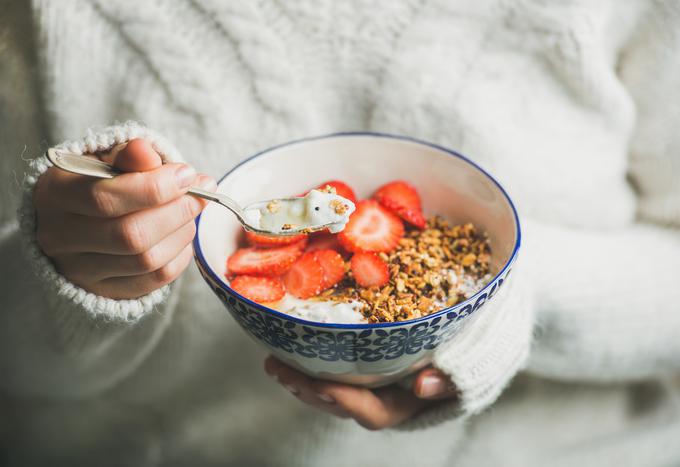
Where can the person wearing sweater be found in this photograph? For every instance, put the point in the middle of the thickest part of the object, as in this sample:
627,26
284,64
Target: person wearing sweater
114,352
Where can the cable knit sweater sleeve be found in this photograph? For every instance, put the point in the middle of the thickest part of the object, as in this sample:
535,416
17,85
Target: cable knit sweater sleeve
605,302
609,302
482,360
61,331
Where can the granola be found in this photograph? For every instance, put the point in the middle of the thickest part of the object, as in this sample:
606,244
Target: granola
430,269
329,189
273,206
338,206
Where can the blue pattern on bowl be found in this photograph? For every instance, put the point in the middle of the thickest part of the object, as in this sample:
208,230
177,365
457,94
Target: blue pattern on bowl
305,340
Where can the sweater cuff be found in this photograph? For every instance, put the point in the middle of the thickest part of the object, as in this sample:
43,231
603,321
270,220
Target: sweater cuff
56,286
484,357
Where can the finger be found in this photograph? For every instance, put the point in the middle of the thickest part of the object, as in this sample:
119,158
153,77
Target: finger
127,235
374,409
94,267
115,197
136,156
110,156
302,387
433,384
207,183
120,288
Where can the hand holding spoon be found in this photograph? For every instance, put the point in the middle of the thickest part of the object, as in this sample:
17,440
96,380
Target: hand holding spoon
318,210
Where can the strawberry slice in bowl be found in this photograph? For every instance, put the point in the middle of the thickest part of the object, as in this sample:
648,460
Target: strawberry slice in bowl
263,290
369,270
325,240
333,267
403,199
313,273
371,228
305,278
271,241
264,261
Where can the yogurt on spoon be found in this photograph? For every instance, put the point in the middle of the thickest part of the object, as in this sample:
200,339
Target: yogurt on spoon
317,209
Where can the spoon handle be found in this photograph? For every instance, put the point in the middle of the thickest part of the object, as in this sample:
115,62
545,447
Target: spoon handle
82,165
91,167
219,198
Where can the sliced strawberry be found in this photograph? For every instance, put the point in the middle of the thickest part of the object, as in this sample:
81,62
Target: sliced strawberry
323,240
259,289
369,270
305,278
402,198
268,241
263,261
333,267
415,218
341,189
371,228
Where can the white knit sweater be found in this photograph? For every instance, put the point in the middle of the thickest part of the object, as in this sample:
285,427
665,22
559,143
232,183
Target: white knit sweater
575,106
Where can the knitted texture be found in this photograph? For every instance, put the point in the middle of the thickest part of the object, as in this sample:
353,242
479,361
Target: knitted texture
96,140
600,323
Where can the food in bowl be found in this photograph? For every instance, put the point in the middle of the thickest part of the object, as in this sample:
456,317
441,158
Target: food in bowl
366,354
402,266
319,207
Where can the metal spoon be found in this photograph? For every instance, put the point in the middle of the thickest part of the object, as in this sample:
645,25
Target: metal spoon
91,167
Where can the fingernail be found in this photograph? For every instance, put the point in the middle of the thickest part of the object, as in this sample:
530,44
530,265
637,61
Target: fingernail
185,176
325,398
431,386
274,376
207,183
291,389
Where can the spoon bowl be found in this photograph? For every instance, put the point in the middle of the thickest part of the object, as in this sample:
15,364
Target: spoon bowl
295,230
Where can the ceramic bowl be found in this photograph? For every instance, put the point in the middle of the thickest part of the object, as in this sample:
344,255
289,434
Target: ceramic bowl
364,354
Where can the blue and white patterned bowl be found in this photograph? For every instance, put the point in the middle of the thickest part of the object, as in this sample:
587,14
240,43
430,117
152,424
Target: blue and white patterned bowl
366,354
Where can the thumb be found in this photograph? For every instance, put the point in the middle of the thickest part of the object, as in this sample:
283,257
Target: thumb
135,156
432,383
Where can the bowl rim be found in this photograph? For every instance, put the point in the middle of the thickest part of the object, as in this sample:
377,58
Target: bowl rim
198,252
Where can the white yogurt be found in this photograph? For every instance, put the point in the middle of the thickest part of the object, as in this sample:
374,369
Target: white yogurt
321,312
314,209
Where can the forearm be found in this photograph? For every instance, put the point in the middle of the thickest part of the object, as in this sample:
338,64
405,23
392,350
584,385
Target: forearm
607,302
